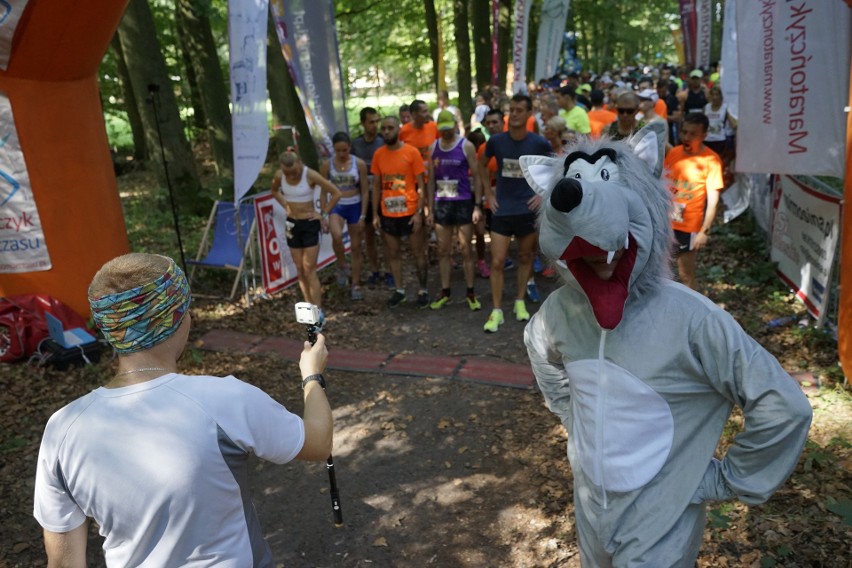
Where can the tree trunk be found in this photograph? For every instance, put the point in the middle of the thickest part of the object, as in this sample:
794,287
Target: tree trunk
286,107
212,86
504,42
480,16
140,150
199,120
463,49
434,52
158,110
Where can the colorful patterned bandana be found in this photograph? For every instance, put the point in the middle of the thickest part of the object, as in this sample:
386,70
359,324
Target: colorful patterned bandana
140,318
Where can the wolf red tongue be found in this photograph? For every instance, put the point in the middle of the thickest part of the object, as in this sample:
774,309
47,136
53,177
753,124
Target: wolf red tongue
606,296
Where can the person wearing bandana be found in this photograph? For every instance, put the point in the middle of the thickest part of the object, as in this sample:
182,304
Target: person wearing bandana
156,458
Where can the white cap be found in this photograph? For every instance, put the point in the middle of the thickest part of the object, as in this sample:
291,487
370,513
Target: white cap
648,95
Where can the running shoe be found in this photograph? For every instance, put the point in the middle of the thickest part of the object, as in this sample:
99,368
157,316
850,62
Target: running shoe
537,266
342,277
483,269
509,264
422,299
396,299
520,309
440,302
532,292
372,280
389,281
473,303
495,320
357,293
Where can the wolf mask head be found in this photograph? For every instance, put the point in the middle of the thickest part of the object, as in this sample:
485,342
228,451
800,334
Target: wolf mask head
604,219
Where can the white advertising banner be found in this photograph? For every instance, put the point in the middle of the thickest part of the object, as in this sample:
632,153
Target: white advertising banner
10,15
703,27
554,14
805,232
247,48
22,246
729,68
279,271
519,45
794,85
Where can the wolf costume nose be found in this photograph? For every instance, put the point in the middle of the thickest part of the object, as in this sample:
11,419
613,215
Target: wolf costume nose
566,195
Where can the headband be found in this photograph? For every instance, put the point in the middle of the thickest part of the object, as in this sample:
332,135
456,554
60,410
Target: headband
140,318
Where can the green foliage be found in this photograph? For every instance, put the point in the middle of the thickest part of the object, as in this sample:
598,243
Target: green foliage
718,516
841,508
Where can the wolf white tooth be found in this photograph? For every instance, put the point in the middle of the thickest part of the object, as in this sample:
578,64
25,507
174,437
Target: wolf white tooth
627,242
609,256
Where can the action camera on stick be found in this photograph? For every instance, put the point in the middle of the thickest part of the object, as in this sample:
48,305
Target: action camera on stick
309,315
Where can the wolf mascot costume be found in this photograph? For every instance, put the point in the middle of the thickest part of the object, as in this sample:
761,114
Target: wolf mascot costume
642,371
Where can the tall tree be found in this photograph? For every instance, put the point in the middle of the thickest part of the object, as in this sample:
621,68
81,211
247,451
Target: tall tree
433,32
199,120
160,117
193,16
504,42
285,102
480,16
463,49
140,150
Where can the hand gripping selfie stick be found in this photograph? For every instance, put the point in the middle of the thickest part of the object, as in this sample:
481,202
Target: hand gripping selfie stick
308,314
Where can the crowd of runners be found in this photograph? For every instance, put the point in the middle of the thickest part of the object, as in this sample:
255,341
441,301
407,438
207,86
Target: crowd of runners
421,174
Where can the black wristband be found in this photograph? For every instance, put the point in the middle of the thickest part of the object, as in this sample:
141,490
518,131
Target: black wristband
318,378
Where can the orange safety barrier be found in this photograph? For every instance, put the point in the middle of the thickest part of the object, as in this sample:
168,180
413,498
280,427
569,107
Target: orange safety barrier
51,83
844,319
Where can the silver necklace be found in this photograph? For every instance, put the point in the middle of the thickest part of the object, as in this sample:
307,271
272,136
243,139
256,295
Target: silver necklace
141,370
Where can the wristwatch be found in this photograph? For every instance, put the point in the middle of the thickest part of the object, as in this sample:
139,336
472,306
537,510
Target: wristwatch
318,378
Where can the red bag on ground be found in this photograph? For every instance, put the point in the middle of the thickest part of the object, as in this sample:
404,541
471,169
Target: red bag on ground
22,323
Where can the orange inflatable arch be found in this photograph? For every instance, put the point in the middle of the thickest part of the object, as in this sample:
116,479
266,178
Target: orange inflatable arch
51,84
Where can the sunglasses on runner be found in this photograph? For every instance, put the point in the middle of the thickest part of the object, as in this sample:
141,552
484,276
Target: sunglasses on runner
627,110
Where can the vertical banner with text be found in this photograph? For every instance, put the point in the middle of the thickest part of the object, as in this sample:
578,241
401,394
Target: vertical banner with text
247,41
794,85
308,39
687,29
519,45
805,232
729,68
554,14
22,246
703,27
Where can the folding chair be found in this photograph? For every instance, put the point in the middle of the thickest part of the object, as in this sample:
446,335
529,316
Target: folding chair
228,250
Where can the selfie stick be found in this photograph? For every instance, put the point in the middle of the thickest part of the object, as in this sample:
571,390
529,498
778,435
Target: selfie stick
329,463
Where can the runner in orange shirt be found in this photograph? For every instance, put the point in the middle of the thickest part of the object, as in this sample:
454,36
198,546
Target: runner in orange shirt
421,132
399,187
695,172
599,117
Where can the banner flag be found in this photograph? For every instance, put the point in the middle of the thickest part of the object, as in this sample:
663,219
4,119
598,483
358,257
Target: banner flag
703,27
729,68
247,59
687,28
677,38
279,270
308,39
10,15
22,246
495,40
519,45
554,14
805,233
786,50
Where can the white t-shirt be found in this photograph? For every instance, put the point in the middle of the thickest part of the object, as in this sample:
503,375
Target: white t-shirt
161,467
717,120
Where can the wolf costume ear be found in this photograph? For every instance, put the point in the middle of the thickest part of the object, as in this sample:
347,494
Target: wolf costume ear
541,172
649,144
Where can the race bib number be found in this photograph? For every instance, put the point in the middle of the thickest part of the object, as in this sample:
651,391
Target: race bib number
447,188
343,180
677,212
512,168
395,204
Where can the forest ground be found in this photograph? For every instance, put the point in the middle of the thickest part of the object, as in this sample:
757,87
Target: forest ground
436,472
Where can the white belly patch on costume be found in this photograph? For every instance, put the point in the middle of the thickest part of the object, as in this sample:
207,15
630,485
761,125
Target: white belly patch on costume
622,429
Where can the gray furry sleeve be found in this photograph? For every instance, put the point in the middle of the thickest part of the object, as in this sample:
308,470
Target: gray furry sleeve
548,368
777,413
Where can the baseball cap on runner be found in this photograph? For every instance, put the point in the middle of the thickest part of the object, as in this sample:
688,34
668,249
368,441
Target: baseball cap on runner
446,120
648,95
696,73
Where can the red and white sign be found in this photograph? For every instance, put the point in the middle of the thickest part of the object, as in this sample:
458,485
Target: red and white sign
805,232
278,269
794,86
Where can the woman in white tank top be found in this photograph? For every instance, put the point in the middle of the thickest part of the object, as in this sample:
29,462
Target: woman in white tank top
349,173
294,187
